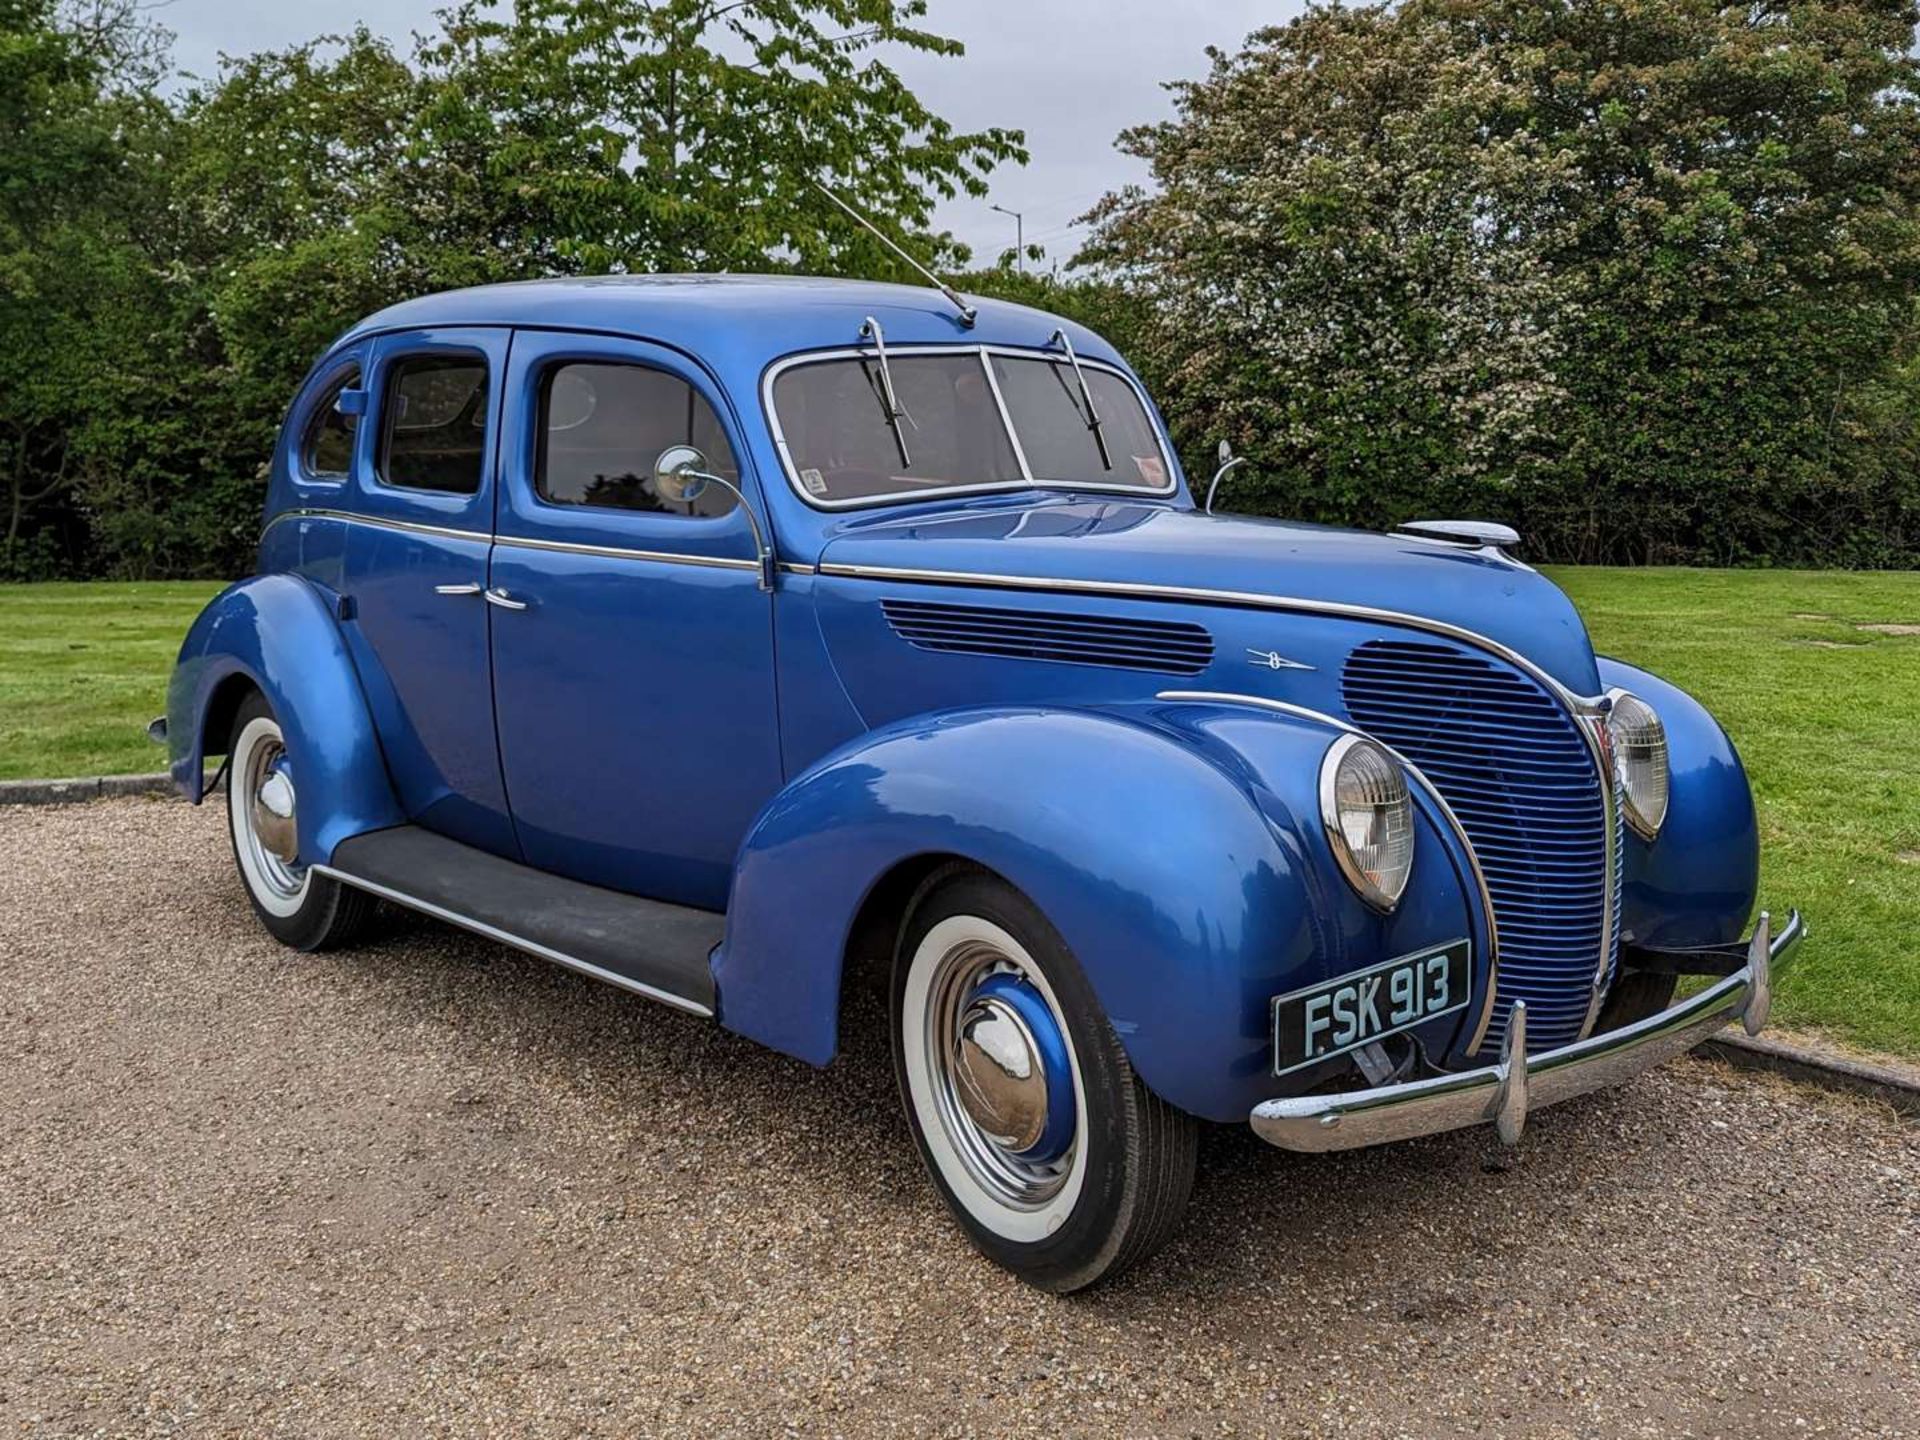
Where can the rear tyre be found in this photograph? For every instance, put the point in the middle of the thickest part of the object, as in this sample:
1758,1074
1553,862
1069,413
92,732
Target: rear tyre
298,907
1056,1160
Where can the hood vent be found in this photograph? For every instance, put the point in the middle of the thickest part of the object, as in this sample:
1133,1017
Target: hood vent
1169,647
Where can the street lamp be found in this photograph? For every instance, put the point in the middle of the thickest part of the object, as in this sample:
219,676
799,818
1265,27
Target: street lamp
1019,237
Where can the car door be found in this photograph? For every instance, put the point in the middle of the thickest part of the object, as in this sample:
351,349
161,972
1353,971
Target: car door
635,690
416,568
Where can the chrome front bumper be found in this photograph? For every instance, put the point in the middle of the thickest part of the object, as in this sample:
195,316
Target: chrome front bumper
1504,1093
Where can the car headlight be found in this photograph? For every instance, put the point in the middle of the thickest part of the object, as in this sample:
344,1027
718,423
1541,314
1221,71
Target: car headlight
1369,818
1640,760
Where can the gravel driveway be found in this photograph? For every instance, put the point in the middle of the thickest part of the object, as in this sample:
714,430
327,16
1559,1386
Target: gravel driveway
429,1186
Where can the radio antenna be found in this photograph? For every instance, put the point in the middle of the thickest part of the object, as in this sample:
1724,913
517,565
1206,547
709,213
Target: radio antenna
967,311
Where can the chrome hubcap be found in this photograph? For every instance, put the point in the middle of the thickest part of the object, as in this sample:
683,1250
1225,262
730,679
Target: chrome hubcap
271,817
999,1075
1003,1080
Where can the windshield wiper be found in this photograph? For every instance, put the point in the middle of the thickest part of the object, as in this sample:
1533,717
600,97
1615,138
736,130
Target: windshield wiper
1086,396
889,401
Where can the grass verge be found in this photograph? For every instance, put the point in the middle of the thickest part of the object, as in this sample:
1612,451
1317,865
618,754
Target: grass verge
83,668
1822,712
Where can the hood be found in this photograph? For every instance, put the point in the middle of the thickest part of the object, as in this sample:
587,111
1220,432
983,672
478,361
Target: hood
1105,540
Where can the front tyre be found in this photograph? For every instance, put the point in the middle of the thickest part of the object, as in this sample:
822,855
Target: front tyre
299,908
1060,1165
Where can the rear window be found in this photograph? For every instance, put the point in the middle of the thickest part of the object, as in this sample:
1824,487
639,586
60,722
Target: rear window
434,430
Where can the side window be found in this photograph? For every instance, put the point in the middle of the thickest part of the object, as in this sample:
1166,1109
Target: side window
326,451
603,425
434,423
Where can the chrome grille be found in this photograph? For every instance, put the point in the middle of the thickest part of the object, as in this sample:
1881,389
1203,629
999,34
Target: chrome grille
1512,763
1173,647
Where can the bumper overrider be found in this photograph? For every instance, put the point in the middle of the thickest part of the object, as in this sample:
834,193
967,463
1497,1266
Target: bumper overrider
1504,1093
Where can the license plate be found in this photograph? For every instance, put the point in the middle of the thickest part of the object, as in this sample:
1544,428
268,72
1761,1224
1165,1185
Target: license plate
1340,1015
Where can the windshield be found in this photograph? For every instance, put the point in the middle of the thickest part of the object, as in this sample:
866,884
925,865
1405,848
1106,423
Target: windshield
946,431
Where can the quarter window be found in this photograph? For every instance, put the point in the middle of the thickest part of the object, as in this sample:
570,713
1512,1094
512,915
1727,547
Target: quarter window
326,453
435,424
602,426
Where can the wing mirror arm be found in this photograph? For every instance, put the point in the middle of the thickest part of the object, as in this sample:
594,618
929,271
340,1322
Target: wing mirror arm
680,475
1228,461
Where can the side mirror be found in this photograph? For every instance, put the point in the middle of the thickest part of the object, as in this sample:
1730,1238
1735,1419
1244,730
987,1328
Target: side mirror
681,474
1228,460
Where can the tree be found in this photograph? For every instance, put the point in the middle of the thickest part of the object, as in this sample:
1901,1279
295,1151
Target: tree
189,260
638,135
71,99
1633,275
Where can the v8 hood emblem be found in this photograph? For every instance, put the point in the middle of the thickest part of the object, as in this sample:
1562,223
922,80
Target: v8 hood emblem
1273,660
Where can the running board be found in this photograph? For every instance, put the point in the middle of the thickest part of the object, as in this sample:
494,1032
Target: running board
646,946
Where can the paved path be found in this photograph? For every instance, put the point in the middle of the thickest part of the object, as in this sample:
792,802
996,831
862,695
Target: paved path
429,1186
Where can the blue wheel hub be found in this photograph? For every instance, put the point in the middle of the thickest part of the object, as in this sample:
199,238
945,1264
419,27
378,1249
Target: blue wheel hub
1013,1076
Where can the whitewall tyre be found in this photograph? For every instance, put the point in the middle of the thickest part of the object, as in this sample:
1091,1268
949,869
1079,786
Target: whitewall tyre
1054,1157
299,908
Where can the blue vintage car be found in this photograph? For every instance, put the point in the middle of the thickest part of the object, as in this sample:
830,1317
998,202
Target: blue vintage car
735,640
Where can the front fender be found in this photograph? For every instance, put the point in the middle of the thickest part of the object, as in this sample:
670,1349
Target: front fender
1696,883
278,634
1160,841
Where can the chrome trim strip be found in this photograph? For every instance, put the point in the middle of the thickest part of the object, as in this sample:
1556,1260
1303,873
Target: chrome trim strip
1591,728
1262,702
379,522
1006,415
1029,480
621,552
1506,1092
1134,590
527,542
491,932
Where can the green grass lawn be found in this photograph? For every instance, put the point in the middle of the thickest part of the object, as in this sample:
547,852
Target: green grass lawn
1827,718
1825,715
83,668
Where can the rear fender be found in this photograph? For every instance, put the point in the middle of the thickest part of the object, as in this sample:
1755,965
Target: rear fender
278,634
1160,841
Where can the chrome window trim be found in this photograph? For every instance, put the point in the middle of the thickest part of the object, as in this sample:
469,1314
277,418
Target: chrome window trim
1028,481
1284,707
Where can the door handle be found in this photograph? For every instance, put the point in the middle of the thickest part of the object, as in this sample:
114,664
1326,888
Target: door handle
467,589
503,600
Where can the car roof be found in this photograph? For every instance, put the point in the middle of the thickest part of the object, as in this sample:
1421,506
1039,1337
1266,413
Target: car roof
753,319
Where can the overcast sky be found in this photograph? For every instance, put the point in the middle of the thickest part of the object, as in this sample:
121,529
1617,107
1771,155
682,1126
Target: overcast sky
1071,73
